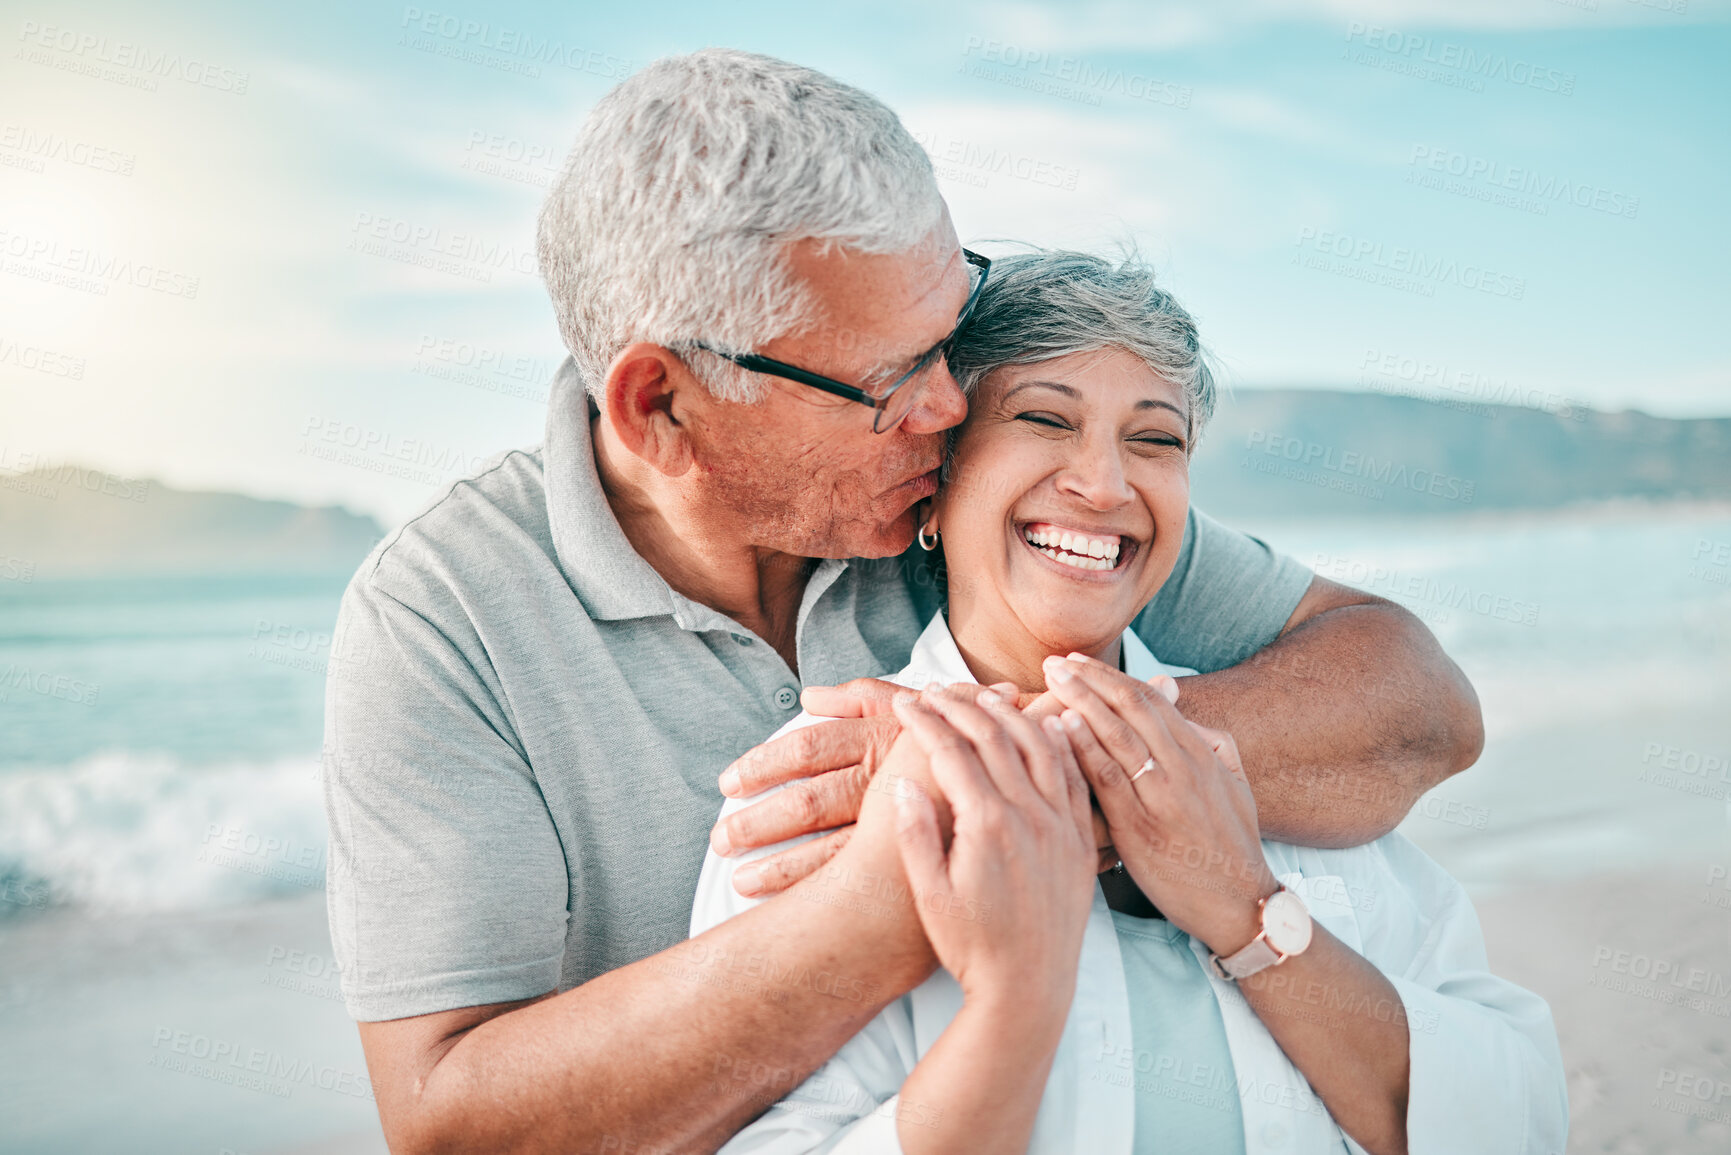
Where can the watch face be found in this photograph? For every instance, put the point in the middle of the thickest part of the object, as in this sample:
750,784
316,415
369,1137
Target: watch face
1286,922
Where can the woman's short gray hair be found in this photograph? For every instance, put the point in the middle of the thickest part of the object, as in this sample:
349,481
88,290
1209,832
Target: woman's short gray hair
1051,303
672,218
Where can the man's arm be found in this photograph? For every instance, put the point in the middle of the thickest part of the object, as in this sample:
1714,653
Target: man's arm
1344,720
675,1052
448,888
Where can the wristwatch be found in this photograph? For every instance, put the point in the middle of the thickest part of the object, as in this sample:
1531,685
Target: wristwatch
1285,932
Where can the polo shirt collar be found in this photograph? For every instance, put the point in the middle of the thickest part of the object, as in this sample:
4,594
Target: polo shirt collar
937,660
609,577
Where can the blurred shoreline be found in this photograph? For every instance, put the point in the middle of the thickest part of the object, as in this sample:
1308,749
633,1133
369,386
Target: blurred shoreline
115,996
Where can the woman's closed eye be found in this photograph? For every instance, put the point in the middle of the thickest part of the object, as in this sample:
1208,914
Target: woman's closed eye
1157,441
1044,419
1148,440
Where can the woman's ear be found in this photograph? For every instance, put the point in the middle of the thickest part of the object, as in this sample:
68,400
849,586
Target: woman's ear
645,390
928,525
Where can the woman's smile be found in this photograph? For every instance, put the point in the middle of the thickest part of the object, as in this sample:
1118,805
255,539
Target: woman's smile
1088,555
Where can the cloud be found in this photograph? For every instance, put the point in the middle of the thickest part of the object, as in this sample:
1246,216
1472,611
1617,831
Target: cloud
1119,25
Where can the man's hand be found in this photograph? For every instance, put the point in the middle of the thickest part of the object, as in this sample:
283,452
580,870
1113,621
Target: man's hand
827,768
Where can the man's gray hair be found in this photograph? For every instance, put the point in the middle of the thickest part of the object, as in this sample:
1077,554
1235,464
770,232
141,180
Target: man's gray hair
1051,303
672,218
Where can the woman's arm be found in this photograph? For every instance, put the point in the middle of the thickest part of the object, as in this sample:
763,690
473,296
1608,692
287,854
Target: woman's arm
1186,830
1342,1024
1021,849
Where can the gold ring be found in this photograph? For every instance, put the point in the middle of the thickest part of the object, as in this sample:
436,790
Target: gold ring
1142,769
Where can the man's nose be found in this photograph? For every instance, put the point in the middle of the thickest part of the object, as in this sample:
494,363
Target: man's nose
941,404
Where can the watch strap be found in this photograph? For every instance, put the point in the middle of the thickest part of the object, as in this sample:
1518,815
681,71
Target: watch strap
1258,956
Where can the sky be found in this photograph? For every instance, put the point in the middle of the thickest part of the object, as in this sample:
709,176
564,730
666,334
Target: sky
287,250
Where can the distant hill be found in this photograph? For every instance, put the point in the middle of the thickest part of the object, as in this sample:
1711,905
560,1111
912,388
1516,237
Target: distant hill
1267,453
1310,452
71,521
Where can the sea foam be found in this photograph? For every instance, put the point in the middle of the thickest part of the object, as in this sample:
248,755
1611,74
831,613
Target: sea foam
132,832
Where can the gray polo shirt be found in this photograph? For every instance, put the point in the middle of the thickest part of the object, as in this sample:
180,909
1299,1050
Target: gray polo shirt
524,722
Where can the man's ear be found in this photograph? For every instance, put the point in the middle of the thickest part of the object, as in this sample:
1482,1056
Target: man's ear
646,398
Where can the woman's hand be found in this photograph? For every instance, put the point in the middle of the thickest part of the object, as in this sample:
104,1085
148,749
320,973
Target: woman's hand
1186,829
1005,906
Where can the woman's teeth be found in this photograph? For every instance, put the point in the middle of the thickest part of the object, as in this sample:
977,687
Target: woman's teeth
1075,549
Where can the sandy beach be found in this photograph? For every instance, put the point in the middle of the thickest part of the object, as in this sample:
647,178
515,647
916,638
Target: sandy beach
128,1004
213,1032
1649,1058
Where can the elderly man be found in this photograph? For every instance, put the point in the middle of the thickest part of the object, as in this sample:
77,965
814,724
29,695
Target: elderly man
545,671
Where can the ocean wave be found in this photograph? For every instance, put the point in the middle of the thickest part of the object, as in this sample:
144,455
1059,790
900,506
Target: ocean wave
132,832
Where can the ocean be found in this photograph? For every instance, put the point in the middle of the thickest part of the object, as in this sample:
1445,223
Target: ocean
162,841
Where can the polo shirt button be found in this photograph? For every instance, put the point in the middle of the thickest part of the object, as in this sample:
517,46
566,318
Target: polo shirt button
742,639
786,697
1274,1134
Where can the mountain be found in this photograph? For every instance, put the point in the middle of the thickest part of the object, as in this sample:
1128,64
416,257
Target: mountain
1267,453
1286,452
71,521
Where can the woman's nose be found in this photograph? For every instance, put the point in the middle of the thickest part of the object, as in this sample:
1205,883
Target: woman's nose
1095,476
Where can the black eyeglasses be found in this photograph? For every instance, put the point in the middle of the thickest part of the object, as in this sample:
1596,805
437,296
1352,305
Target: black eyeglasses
895,401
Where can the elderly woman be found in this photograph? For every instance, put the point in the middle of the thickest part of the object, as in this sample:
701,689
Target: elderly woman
1211,991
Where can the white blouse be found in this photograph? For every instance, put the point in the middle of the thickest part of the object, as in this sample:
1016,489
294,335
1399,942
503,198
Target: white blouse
1486,1076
